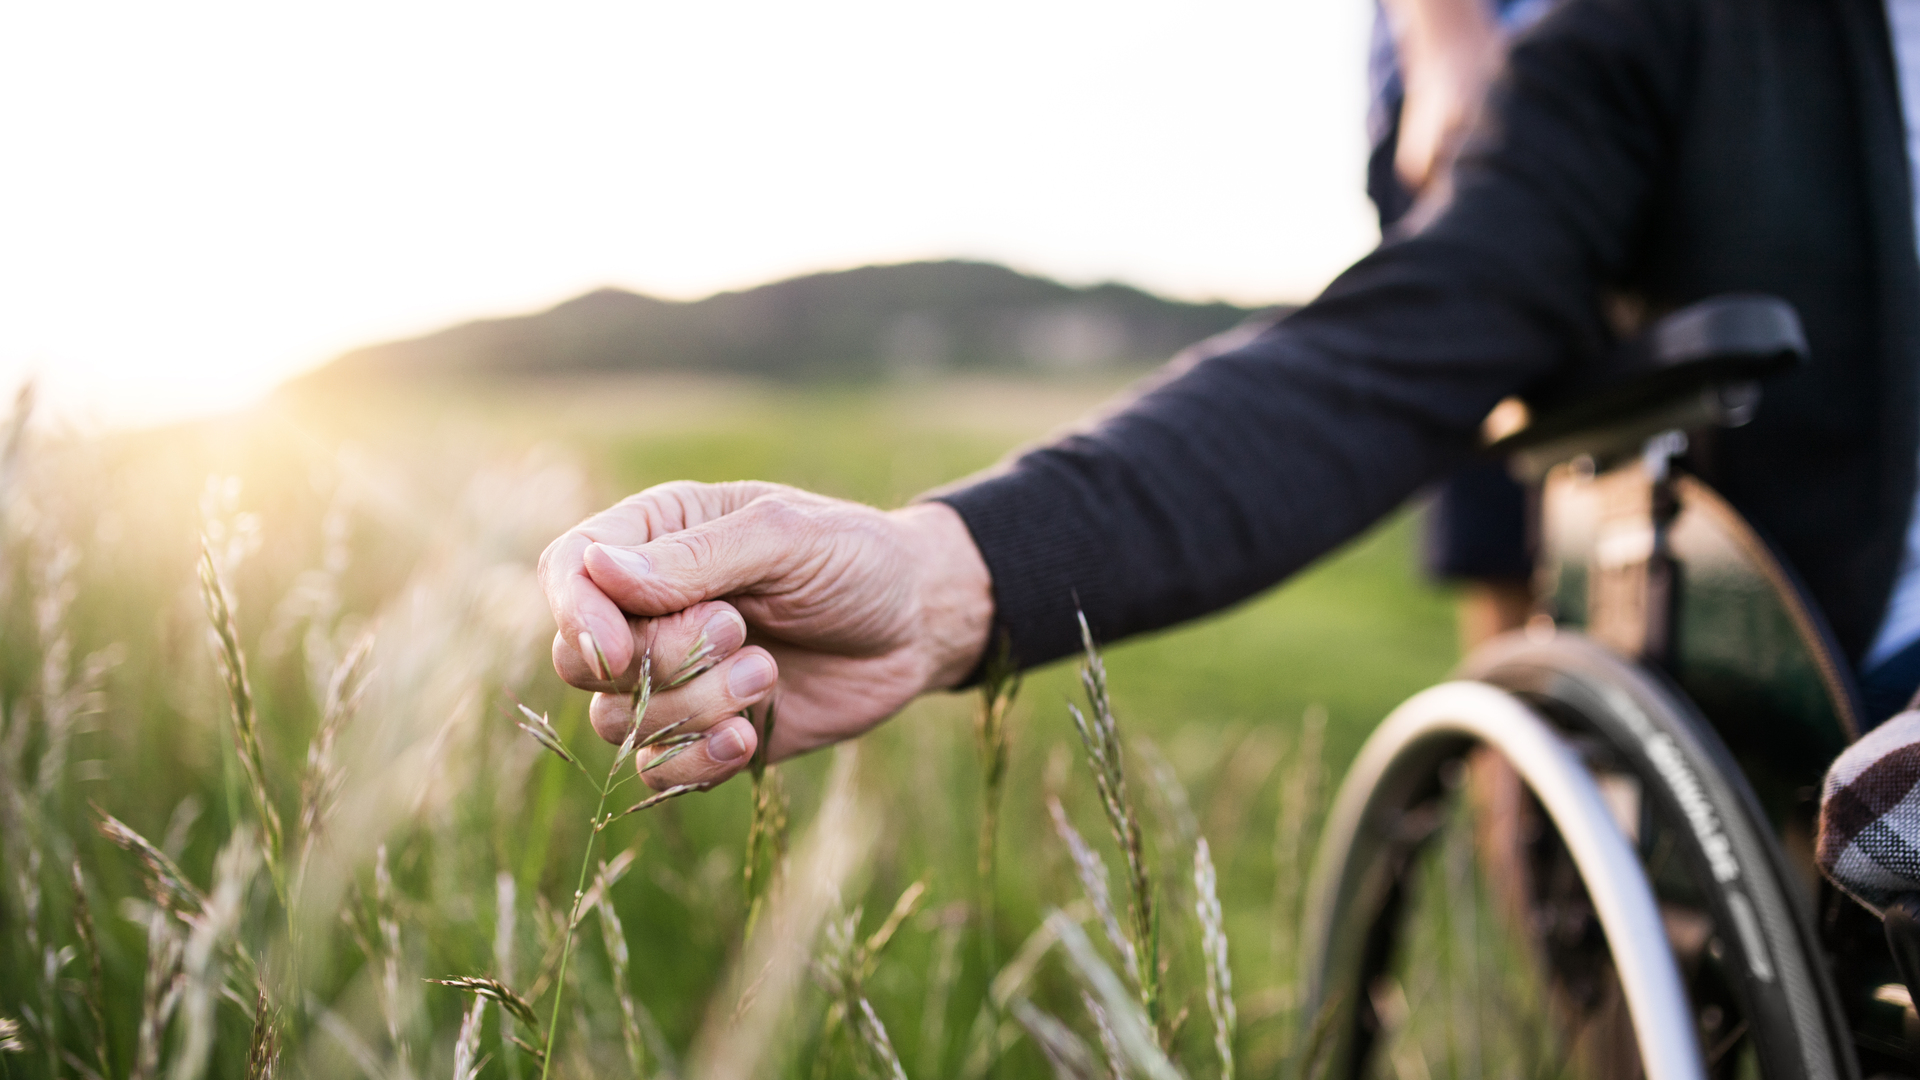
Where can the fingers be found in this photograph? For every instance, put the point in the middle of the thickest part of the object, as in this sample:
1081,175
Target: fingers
680,645
592,627
702,702
760,543
580,607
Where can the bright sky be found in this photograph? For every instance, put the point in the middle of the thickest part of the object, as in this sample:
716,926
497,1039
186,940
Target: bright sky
199,199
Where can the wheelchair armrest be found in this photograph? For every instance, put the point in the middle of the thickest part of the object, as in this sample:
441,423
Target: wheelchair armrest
1698,366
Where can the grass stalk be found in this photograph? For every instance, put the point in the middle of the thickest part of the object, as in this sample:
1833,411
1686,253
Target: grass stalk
614,937
1294,830
945,972
160,993
467,1061
1092,871
505,906
320,786
1066,1054
1213,939
387,931
767,830
246,720
96,987
538,726
1133,1029
1100,734
999,686
844,968
573,919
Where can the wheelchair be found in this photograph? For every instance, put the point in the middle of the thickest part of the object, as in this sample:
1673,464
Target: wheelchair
1591,855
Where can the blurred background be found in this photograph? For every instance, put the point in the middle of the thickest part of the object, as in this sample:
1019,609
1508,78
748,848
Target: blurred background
378,299
206,198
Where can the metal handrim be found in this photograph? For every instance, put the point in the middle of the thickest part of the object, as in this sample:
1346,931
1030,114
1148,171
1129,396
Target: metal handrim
1403,752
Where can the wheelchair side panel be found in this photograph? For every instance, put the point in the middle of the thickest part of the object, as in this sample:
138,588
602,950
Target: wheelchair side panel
1748,647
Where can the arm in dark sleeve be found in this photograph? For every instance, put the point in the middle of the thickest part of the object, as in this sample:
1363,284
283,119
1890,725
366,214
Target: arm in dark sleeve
1229,475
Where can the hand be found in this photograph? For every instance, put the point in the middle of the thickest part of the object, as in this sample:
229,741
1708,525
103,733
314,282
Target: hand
734,589
1449,52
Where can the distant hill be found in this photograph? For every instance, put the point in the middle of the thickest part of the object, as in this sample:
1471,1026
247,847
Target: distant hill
906,319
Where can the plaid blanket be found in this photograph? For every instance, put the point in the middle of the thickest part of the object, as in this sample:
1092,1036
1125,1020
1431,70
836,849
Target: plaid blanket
1870,815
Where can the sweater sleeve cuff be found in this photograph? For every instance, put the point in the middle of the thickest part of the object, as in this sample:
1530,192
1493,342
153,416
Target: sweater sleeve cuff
1044,559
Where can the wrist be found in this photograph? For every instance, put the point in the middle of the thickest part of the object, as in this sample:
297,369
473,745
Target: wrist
955,592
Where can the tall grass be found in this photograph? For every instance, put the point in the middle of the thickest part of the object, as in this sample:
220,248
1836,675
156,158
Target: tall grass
1100,734
992,736
261,780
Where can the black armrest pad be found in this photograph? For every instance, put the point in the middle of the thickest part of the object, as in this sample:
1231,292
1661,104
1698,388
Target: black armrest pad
1716,342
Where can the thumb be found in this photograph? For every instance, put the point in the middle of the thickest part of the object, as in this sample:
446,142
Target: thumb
759,543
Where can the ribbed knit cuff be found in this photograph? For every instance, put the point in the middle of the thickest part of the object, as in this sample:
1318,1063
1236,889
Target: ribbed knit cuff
1038,545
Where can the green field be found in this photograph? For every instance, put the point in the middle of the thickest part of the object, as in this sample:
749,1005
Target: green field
450,841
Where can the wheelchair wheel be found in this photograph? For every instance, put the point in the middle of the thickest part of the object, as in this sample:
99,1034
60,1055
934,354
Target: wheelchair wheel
1556,871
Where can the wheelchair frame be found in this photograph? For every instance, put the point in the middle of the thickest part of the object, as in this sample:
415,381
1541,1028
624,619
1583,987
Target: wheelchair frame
1664,613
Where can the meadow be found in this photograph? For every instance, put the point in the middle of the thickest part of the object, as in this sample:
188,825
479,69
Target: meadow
194,887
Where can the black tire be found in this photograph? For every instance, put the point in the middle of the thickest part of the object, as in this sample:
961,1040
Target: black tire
1759,996
1638,723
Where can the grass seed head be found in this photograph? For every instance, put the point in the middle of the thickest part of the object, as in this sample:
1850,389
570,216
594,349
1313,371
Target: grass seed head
538,1055
767,828
168,887
246,722
699,661
673,748
1109,1042
671,793
1214,944
496,991
665,733
467,1061
1100,734
627,746
263,1044
1092,871
538,726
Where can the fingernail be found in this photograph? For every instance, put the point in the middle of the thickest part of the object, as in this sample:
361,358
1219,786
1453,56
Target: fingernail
725,632
750,675
627,559
592,652
726,746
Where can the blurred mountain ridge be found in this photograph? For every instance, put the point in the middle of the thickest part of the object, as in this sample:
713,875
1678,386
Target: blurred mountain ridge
901,320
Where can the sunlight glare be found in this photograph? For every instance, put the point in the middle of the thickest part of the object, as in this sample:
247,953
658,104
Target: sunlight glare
203,198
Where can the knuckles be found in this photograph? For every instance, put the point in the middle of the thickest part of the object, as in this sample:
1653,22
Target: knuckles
792,514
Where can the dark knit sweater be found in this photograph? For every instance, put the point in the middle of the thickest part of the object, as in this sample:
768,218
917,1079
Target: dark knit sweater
1637,155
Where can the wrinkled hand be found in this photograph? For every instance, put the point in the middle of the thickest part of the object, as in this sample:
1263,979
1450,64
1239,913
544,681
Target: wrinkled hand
732,589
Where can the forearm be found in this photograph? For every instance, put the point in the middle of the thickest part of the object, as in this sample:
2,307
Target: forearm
1225,479
1215,485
